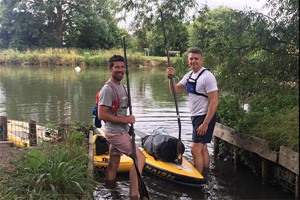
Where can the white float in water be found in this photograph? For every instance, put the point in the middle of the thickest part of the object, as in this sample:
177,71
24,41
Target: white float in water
77,69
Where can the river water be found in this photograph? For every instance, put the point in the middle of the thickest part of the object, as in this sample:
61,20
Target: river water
61,95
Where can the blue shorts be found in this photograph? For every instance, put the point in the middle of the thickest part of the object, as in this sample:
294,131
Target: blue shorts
207,137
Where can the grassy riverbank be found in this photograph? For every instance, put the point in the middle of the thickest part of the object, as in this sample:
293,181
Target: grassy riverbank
281,129
56,170
68,57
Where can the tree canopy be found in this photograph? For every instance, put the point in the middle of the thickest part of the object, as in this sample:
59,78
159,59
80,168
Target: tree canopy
57,23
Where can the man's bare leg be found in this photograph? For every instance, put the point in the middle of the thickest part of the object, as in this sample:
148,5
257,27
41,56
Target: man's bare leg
197,153
206,158
111,171
134,188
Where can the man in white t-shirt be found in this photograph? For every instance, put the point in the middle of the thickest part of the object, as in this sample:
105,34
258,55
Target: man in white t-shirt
202,87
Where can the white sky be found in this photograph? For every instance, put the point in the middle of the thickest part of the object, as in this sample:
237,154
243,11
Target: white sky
234,4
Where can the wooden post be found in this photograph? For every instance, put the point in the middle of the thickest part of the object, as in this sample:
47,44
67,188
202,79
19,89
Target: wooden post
235,157
3,128
32,133
146,50
297,187
216,146
62,129
91,155
266,171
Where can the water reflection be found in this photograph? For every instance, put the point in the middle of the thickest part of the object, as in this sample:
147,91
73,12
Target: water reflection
61,95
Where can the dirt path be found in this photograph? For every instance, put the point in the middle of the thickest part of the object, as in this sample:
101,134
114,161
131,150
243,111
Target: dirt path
8,153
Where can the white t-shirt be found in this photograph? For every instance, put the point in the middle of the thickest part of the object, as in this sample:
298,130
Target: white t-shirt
206,83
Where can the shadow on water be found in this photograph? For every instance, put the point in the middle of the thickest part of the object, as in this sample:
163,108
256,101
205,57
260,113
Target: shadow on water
223,182
157,189
229,183
119,191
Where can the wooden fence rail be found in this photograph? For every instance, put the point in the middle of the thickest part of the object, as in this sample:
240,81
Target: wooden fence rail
286,158
24,134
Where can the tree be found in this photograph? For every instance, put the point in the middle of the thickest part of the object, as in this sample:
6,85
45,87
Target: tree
178,41
285,16
57,23
280,88
246,52
228,43
147,22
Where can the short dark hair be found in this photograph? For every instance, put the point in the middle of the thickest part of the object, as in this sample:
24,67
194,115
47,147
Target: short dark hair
114,58
195,50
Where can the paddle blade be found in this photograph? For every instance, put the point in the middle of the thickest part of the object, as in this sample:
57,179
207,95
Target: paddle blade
179,152
143,190
142,187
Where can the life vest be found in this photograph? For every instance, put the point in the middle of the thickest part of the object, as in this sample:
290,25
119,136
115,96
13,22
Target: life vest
114,107
191,84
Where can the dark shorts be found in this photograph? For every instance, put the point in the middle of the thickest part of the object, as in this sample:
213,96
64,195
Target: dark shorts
206,138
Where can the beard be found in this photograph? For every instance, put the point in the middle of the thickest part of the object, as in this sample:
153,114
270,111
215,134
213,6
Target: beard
118,76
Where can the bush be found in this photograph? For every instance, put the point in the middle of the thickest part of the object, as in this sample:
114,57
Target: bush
230,112
280,129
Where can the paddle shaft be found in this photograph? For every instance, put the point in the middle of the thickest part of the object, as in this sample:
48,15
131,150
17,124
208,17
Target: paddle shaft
179,146
142,188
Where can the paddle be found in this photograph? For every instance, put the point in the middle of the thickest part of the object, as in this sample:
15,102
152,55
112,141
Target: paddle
179,145
142,188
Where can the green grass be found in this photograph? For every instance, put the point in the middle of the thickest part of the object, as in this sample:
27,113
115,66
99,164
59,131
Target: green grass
54,171
280,129
64,57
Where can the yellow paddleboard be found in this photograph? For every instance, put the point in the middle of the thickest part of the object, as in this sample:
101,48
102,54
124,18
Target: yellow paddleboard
185,173
18,141
101,163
